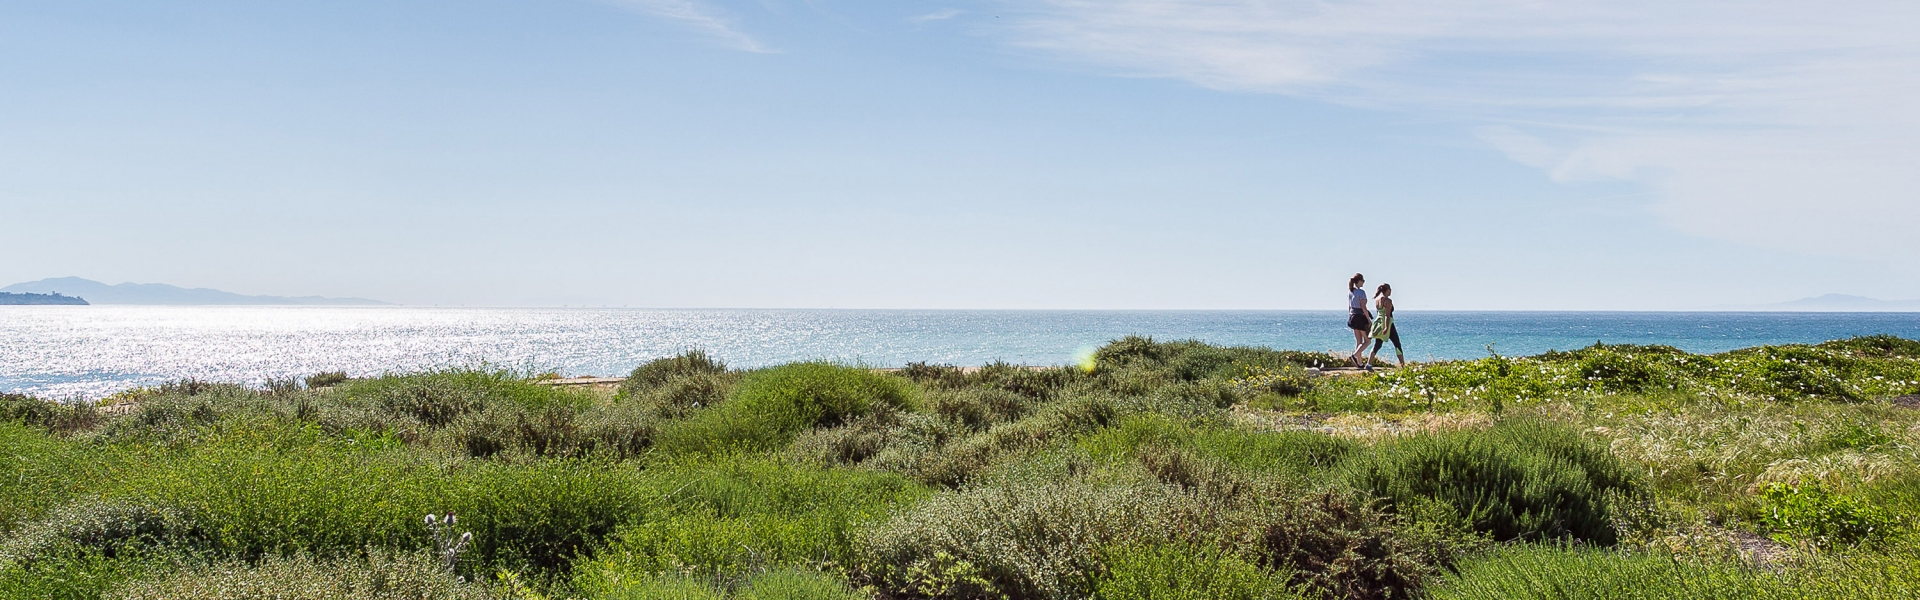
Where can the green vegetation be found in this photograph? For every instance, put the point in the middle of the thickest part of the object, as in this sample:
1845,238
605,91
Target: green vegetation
1156,470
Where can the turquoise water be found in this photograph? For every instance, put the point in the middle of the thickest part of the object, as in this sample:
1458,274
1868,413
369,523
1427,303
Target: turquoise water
91,351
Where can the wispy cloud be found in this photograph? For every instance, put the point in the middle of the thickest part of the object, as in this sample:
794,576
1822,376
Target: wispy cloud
940,15
699,17
1776,122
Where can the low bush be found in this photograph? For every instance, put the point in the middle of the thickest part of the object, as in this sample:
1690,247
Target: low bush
969,457
1184,572
85,575
658,372
376,576
1530,571
44,471
1044,538
326,379
979,408
105,528
725,520
255,500
1289,453
31,411
436,398
770,406
1023,541
780,584
1520,480
1809,513
796,584
1875,346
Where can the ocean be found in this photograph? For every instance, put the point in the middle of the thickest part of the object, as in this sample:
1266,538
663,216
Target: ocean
73,352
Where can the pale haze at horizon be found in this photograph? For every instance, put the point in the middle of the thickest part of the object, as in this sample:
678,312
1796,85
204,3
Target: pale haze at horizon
1051,154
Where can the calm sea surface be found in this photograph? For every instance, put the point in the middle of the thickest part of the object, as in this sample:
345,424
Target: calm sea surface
91,351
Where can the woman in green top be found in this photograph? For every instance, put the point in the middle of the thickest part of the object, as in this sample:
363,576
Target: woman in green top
1383,329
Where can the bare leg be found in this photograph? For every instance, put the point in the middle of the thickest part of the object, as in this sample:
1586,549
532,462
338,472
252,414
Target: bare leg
1359,346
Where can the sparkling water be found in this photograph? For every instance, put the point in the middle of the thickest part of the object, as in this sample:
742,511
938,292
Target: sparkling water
91,351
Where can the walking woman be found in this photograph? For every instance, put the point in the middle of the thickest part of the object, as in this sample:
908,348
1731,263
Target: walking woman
1383,329
1357,318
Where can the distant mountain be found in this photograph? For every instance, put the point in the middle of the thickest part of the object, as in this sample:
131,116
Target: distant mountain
1844,303
9,299
160,293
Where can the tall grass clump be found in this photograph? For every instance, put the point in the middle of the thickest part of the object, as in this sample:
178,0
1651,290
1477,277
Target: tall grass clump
779,584
1291,453
376,576
726,519
678,385
1053,536
692,364
1184,572
1520,480
1535,571
436,398
46,470
253,500
771,405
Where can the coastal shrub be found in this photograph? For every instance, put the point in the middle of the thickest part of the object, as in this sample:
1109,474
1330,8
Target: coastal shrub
1183,572
771,405
1809,513
680,396
1520,480
1534,571
326,379
1288,380
436,398
44,470
779,584
1336,545
979,408
658,372
960,460
167,419
796,584
1045,537
851,443
1029,540
27,410
656,587
255,500
727,519
616,431
104,528
1292,453
1038,384
85,575
378,575
1875,346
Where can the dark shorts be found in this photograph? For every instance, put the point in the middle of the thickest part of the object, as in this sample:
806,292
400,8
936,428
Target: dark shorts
1357,320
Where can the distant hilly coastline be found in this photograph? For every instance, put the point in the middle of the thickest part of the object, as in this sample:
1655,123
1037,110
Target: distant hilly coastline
1839,303
30,299
94,292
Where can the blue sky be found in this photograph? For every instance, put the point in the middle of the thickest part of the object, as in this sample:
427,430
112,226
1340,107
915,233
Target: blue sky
1490,154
